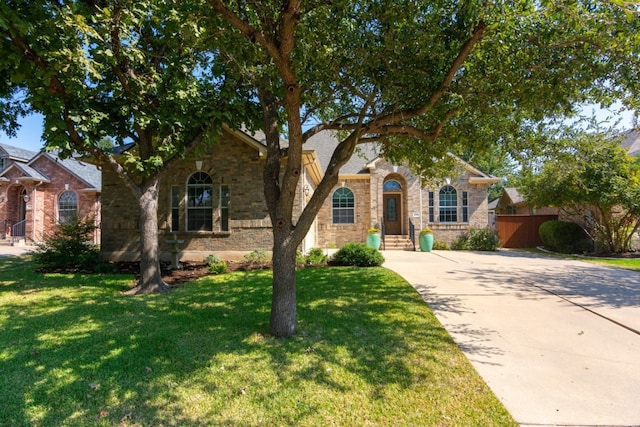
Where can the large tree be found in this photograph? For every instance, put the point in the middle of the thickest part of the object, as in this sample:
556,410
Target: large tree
132,71
590,177
418,78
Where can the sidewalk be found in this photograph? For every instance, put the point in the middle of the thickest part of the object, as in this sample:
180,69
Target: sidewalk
557,341
8,250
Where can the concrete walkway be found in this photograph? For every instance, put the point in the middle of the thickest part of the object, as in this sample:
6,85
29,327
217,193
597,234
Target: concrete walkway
9,250
557,341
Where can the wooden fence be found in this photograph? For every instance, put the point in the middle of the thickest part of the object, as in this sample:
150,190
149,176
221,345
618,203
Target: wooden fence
521,231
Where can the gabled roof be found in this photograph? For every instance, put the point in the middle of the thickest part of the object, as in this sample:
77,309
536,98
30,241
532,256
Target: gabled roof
85,172
514,196
632,142
367,155
325,142
28,173
15,153
25,159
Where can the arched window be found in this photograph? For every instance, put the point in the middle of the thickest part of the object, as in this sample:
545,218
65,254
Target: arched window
392,185
200,202
448,198
67,207
343,206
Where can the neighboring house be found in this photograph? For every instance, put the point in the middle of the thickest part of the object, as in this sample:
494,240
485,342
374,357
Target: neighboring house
39,190
511,202
214,203
632,142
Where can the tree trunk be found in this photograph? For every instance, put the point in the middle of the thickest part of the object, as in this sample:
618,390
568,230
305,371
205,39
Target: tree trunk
283,321
150,273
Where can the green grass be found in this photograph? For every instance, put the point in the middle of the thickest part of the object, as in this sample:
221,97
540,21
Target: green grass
74,351
627,263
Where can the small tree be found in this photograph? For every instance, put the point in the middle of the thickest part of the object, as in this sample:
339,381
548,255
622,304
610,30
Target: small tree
70,247
592,179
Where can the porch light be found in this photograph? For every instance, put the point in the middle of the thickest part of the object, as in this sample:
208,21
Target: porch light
26,198
306,189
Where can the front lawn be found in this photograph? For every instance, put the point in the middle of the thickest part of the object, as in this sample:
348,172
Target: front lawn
75,351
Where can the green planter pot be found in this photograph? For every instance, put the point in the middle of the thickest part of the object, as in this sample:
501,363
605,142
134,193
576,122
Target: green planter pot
426,242
373,240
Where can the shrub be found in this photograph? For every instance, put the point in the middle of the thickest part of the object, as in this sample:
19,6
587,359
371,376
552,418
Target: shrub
358,254
216,265
440,246
563,236
316,256
258,256
477,239
70,248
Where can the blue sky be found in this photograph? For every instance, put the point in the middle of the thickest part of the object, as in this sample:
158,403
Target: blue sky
28,136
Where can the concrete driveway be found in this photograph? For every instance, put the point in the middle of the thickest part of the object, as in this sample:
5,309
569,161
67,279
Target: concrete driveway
557,341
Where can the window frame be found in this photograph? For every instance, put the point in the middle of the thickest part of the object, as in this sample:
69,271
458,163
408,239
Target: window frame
174,222
199,215
224,202
448,204
64,210
345,211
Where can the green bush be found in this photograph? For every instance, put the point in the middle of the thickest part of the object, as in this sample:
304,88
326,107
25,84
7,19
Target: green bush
258,256
563,236
316,256
70,248
477,239
358,254
440,246
216,265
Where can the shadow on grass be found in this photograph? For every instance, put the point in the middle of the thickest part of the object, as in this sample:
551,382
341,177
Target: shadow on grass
74,351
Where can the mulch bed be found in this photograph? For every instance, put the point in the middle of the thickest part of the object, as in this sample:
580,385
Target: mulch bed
189,271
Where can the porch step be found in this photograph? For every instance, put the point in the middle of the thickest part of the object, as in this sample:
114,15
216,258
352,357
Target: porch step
394,242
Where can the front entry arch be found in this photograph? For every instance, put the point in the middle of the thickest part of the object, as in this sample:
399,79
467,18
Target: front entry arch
392,206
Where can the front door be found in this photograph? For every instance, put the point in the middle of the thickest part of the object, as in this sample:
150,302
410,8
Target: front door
393,213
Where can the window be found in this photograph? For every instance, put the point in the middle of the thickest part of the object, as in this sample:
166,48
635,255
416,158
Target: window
343,206
67,207
175,209
1,163
224,208
431,207
200,202
511,210
465,206
392,185
448,204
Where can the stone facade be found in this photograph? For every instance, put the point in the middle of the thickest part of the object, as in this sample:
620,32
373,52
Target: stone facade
413,209
232,165
236,164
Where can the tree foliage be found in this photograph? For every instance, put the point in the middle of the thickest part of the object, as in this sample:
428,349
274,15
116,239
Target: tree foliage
594,180
419,78
132,72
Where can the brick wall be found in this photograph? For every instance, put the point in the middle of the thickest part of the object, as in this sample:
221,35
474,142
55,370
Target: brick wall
42,209
229,162
336,235
368,190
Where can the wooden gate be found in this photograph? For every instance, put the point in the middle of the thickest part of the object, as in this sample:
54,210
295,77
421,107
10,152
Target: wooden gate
521,231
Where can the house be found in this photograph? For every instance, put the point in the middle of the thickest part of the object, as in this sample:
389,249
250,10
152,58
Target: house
214,203
511,202
39,190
